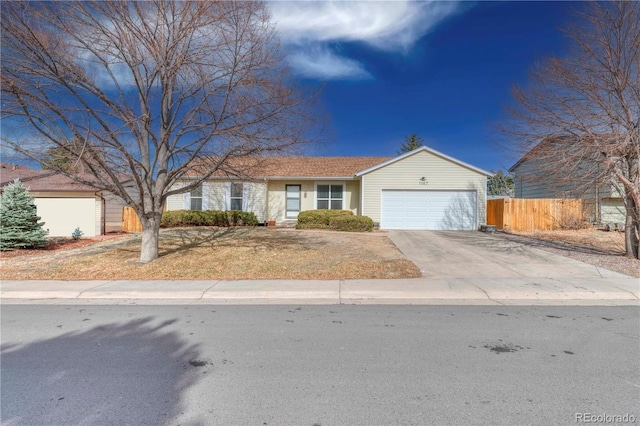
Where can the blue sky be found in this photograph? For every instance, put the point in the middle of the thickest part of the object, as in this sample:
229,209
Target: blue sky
442,70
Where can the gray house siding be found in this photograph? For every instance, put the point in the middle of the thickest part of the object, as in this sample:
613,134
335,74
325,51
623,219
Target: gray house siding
602,202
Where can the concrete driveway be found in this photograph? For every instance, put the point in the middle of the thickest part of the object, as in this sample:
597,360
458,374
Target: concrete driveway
459,254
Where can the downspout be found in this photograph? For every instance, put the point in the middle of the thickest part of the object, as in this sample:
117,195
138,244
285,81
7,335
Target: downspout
362,195
266,201
103,213
598,212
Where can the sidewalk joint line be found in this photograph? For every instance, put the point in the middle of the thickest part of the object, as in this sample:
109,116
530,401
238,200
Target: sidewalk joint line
340,292
624,289
93,288
485,293
207,289
598,270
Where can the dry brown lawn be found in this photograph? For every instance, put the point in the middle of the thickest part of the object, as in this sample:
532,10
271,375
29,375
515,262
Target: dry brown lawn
224,253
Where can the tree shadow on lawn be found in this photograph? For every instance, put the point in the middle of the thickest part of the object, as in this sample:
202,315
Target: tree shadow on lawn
183,239
189,238
119,373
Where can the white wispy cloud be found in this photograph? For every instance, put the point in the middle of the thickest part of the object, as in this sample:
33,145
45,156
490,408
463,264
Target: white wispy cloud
322,63
391,26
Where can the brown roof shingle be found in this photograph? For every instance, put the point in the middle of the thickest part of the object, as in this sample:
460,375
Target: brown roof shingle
310,167
318,166
40,180
9,172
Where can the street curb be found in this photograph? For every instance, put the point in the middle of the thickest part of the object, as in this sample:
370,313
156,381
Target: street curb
619,291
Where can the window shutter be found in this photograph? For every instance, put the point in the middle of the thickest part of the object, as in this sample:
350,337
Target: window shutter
227,195
205,195
245,197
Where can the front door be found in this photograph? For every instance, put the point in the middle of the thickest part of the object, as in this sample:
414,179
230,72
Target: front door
293,200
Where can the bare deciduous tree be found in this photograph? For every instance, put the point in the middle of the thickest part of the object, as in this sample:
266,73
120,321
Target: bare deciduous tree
579,116
147,87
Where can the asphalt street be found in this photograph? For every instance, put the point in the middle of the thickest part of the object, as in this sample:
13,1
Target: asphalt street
318,365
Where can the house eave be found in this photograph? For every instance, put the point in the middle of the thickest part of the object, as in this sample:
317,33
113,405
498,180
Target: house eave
268,178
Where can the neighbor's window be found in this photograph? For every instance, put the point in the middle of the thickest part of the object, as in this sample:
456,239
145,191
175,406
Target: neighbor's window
330,197
236,196
196,199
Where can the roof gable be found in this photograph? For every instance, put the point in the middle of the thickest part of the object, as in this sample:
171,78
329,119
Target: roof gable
430,151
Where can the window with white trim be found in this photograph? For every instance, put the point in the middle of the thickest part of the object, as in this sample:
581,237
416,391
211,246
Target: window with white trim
329,197
237,190
196,198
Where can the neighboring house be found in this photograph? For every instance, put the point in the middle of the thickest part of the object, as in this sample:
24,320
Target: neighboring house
422,189
64,204
603,202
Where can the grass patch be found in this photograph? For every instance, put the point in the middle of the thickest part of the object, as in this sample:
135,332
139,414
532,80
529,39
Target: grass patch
226,253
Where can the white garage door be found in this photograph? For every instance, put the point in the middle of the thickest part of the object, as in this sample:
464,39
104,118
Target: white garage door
432,210
61,216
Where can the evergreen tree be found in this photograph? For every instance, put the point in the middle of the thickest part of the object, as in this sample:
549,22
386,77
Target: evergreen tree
19,226
411,142
500,184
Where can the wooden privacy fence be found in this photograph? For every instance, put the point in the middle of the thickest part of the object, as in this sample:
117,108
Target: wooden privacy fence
535,214
130,221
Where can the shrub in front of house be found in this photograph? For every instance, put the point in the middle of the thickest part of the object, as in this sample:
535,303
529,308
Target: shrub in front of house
178,218
338,220
319,219
352,223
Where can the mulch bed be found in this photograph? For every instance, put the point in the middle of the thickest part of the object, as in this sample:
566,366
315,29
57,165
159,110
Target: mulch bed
55,243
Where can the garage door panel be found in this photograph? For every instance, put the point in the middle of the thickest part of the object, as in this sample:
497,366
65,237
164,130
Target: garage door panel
61,216
431,210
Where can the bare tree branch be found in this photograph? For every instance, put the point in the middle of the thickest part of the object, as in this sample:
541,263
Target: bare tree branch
148,88
578,120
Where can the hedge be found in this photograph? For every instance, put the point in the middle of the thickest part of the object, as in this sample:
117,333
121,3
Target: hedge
338,220
176,218
352,223
319,219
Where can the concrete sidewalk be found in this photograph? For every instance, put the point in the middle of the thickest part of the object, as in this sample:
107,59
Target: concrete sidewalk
619,290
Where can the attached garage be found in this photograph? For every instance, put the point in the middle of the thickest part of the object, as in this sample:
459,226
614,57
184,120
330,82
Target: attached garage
424,189
62,215
430,210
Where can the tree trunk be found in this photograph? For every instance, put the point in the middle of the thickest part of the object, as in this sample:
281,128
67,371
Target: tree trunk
631,229
150,237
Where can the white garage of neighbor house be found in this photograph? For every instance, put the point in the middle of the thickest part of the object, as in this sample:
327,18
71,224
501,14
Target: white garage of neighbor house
64,205
422,189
